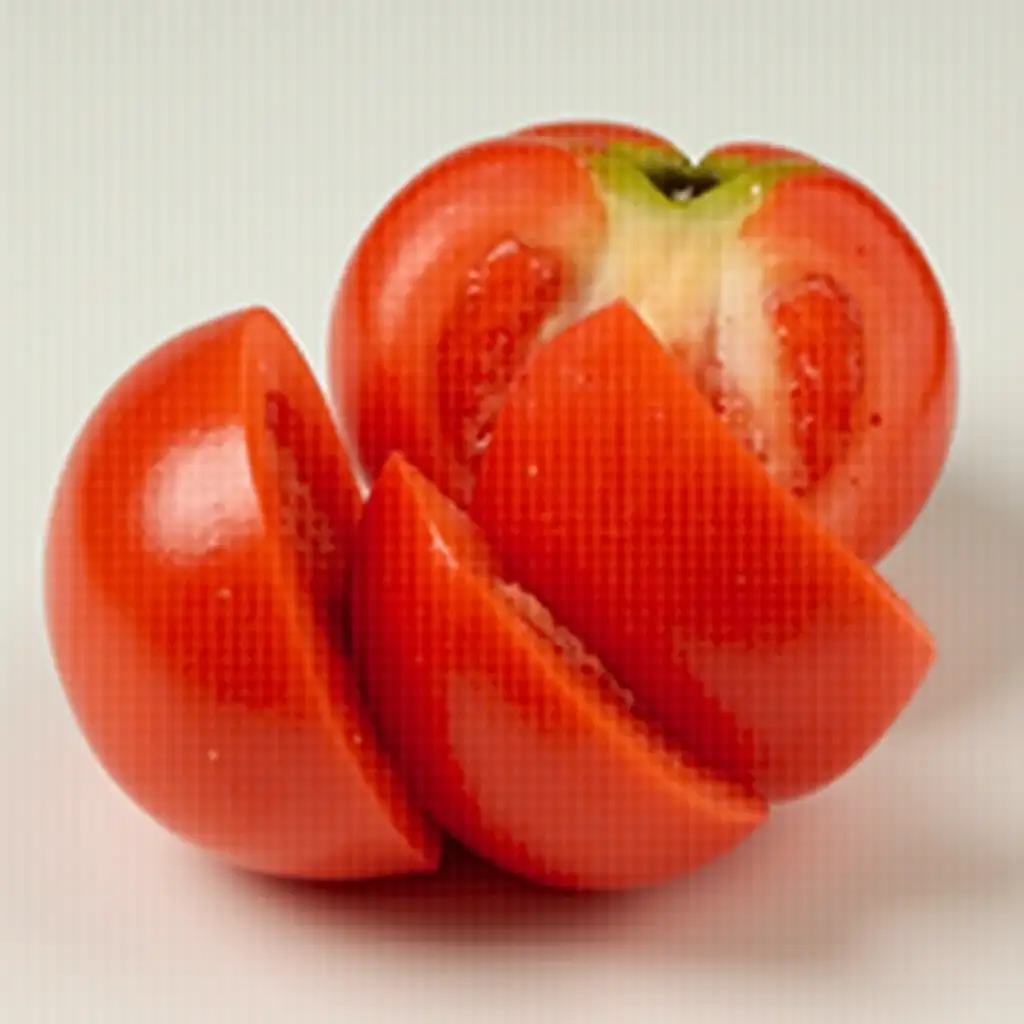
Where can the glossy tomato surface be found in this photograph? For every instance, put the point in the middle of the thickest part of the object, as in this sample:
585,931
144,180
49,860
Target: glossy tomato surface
746,631
195,560
790,294
511,735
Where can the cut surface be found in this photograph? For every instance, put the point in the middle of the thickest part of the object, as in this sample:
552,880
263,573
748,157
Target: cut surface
820,335
512,735
312,507
486,340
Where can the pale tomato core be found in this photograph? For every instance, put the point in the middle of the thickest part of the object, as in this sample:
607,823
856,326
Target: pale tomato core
818,334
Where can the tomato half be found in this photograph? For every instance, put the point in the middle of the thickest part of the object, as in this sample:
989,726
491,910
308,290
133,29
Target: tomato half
195,560
514,738
792,296
746,631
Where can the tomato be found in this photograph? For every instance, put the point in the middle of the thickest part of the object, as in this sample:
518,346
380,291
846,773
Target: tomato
793,297
747,632
515,739
195,563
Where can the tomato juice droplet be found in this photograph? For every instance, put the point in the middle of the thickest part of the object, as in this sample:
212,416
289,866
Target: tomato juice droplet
820,333
487,338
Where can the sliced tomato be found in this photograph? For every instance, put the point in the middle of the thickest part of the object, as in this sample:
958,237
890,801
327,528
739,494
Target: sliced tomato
745,630
515,739
196,550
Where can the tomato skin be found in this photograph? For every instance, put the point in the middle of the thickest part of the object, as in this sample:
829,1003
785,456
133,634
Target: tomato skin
593,135
758,153
514,756
185,616
402,281
744,629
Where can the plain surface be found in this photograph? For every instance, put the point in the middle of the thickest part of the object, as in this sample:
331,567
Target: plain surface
162,163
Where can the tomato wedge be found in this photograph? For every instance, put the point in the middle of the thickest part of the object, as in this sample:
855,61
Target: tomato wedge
512,737
195,560
744,629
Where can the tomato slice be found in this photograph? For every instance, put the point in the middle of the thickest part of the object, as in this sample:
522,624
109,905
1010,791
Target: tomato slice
746,631
512,736
196,550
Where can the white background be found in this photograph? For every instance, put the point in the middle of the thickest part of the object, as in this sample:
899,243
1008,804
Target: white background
162,163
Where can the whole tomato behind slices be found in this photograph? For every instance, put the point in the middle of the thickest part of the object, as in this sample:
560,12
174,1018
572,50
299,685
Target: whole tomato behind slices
792,297
510,733
746,631
195,559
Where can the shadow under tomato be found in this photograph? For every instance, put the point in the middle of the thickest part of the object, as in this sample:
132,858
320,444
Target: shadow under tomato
820,877
466,901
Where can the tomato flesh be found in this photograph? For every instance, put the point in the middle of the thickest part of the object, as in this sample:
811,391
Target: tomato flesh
820,335
486,340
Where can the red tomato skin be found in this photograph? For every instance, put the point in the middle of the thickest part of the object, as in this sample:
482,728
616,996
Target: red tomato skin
593,135
745,630
186,625
513,755
754,152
